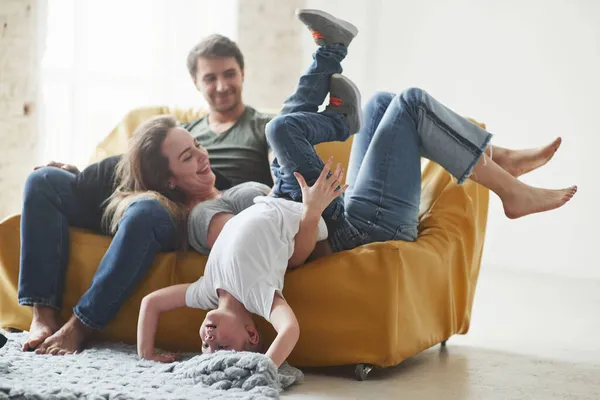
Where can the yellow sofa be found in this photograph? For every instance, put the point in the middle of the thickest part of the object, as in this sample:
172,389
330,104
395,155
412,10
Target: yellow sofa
375,305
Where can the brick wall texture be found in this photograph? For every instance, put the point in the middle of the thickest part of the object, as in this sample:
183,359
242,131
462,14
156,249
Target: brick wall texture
19,71
269,37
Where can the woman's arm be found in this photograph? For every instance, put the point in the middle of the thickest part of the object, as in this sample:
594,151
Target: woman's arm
162,300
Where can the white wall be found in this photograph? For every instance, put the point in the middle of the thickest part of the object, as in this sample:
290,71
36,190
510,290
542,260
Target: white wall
92,76
531,71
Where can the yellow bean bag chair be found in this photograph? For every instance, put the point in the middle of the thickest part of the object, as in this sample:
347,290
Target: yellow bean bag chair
374,305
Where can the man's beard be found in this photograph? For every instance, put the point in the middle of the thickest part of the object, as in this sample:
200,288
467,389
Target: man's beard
225,109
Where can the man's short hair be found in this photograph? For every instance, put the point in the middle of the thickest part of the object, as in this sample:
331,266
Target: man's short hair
214,46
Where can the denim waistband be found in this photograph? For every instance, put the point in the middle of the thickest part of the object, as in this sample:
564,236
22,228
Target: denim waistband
342,235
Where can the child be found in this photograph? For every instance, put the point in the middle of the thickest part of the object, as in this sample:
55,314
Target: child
245,270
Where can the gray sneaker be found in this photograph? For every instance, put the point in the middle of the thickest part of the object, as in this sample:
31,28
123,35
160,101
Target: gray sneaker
344,97
327,29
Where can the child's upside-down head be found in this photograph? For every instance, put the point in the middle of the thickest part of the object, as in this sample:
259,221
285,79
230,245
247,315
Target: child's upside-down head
225,329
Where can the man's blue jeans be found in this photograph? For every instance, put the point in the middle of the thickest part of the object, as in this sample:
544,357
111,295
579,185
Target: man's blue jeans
50,206
384,176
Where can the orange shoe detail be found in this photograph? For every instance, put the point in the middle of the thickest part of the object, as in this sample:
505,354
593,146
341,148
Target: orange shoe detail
317,35
335,101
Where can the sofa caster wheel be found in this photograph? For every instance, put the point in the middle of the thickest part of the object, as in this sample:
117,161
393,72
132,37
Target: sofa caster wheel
443,344
362,370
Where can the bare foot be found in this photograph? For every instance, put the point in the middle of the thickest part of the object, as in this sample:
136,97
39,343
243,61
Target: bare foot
528,200
46,321
520,162
69,339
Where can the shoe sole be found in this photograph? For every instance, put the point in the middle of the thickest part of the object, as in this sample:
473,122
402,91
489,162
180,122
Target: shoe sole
358,98
344,24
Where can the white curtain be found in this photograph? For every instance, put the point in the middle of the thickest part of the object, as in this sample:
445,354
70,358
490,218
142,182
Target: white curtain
103,58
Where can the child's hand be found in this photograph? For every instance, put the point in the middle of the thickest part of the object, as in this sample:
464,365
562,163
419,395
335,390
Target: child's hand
165,357
317,197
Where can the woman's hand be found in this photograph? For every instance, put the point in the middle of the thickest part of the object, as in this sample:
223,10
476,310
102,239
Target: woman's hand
67,167
317,197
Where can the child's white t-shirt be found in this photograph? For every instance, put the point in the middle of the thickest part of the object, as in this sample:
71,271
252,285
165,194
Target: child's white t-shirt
250,256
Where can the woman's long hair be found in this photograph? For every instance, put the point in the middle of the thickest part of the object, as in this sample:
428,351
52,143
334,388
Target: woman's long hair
143,172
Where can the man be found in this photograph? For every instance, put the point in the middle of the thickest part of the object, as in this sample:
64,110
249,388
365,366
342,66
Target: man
232,132
59,197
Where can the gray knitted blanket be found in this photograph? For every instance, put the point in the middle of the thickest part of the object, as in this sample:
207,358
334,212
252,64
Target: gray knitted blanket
114,371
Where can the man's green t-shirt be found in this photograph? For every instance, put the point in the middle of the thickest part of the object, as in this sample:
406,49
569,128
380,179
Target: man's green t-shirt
241,152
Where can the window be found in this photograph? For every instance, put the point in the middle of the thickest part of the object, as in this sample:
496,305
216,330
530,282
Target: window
103,58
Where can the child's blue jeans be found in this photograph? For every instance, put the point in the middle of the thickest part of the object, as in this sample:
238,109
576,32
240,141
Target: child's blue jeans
384,173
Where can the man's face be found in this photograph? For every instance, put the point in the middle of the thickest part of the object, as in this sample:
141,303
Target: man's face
220,80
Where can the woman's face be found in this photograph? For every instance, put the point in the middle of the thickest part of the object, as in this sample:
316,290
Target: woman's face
188,162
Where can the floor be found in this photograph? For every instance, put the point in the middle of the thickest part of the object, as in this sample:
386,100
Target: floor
532,337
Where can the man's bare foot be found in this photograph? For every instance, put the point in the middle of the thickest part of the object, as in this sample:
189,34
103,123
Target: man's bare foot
520,162
46,321
69,339
528,200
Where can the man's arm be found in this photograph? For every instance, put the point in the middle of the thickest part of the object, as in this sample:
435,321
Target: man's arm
157,302
288,331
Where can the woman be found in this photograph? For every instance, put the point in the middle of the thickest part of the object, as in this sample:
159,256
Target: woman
56,198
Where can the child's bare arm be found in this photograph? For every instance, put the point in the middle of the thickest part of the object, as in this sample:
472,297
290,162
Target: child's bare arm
306,238
316,198
285,323
162,300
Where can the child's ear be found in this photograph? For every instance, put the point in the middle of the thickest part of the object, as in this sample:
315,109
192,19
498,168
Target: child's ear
253,335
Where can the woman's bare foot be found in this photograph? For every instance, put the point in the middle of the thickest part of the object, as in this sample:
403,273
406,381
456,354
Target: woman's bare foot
46,321
520,162
69,339
528,200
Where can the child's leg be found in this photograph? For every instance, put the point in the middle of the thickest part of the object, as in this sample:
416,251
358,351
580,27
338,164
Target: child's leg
299,127
293,137
313,85
333,37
